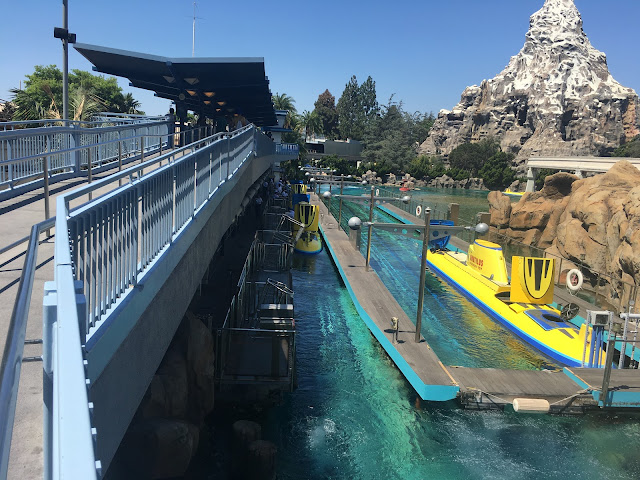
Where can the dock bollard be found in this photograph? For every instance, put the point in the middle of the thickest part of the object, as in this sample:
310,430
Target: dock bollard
355,232
395,327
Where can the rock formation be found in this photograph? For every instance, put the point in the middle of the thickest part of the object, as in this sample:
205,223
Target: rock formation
556,97
593,221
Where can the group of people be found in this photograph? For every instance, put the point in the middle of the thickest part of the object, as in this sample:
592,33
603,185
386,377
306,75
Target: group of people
270,188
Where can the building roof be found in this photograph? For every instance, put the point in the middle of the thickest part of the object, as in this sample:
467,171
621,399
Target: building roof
211,86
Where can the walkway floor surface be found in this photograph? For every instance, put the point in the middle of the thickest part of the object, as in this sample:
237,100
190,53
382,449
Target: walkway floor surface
17,216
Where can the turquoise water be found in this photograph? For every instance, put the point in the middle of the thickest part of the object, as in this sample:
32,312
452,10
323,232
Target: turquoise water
354,416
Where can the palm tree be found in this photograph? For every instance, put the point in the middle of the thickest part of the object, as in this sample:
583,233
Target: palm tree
283,101
84,104
131,105
310,122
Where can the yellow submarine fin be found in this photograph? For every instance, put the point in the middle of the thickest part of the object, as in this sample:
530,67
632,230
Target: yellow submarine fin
532,280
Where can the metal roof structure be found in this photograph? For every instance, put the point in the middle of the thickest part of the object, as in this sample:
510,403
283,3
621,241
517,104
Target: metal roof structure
213,87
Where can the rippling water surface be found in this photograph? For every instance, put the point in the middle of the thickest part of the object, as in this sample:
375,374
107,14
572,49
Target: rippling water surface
354,416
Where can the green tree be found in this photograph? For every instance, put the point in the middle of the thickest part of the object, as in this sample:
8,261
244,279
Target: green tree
88,94
471,156
310,123
497,172
426,167
340,165
350,111
325,108
282,101
629,149
368,100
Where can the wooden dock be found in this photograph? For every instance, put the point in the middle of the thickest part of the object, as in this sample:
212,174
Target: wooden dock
568,391
375,304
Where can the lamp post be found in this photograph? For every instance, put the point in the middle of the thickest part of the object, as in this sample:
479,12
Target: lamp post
67,38
423,272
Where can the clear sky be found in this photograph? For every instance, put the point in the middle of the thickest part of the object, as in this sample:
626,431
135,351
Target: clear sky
425,52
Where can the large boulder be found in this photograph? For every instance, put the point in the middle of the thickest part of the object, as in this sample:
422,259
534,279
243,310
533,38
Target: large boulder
500,208
200,357
160,448
168,393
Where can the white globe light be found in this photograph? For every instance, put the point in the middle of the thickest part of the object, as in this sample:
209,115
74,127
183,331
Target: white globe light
355,223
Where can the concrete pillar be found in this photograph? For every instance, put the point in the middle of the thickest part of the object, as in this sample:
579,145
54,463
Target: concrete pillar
454,212
355,238
531,180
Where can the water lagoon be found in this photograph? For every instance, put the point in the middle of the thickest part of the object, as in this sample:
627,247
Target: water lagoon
354,416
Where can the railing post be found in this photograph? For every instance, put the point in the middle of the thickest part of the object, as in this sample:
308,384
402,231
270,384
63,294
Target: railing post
89,173
45,168
228,155
423,272
370,229
142,149
74,142
119,159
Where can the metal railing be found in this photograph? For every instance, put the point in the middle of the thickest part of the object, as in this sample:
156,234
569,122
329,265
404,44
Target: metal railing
115,239
107,244
27,154
602,290
287,148
239,325
14,347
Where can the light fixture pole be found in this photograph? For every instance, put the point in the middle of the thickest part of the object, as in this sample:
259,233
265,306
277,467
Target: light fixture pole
65,63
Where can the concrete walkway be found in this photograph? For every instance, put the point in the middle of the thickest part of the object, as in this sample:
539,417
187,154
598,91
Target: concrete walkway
16,219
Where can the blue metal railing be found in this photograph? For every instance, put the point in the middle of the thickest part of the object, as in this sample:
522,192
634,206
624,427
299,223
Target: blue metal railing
287,149
102,249
68,149
115,238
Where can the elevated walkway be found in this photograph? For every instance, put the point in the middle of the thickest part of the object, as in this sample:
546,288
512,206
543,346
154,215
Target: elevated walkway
138,267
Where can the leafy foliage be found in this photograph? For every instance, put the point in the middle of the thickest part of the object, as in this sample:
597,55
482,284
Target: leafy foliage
283,101
629,149
497,172
472,156
340,165
392,137
88,94
351,118
426,167
325,108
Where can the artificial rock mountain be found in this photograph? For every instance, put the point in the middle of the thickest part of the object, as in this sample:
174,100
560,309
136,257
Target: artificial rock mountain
556,97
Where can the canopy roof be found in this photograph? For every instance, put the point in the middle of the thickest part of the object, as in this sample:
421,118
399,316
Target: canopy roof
211,86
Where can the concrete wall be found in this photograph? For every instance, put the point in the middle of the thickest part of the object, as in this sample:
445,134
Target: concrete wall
121,370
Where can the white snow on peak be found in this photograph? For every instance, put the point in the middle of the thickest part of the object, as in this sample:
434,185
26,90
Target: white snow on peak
557,61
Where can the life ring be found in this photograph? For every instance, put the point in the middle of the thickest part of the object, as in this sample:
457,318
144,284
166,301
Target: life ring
418,210
574,279
377,192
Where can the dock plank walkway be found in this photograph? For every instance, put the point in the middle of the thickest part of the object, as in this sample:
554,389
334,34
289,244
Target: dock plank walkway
417,361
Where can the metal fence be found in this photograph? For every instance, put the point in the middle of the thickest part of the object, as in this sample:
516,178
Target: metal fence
115,239
240,325
602,290
101,250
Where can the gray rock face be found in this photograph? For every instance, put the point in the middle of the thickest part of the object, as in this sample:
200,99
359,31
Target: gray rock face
556,97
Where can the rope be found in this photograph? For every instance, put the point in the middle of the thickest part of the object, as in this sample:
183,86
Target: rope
581,392
490,395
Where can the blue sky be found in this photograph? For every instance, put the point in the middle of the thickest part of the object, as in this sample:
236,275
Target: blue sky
424,52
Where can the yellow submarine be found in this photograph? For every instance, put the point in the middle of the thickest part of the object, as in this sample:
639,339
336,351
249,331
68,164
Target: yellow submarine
309,241
521,305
